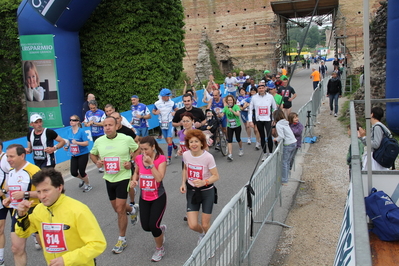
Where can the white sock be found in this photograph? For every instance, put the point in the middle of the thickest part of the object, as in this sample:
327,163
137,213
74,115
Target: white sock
123,238
1,253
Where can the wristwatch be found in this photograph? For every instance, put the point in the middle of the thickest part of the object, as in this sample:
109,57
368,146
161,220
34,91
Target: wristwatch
26,195
19,217
4,191
151,166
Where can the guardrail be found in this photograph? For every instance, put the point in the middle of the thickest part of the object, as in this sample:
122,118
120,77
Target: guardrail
232,235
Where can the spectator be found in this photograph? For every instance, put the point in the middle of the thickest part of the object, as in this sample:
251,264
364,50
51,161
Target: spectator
334,91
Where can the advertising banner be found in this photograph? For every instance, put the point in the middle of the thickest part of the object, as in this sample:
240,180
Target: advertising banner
40,78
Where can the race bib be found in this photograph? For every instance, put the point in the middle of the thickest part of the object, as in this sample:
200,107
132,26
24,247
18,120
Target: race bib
147,183
11,190
164,125
54,239
233,123
74,149
183,146
195,172
136,121
112,165
263,110
38,153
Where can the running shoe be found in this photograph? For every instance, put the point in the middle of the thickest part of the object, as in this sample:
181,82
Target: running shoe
37,245
241,152
158,254
168,161
264,157
2,262
200,237
217,147
335,115
87,188
134,213
81,184
257,146
249,141
101,170
331,112
119,247
230,158
175,149
163,228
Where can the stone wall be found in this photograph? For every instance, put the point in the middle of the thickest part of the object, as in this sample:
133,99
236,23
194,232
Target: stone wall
244,34
378,31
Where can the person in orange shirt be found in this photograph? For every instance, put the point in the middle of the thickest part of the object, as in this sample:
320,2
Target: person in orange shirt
283,71
316,78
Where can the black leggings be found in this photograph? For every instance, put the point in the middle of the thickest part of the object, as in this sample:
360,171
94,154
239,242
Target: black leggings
151,213
79,163
231,132
262,125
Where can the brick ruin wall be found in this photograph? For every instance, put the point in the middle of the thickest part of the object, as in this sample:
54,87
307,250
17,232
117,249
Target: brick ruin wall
244,34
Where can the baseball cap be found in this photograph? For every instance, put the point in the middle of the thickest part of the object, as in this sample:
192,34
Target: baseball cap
270,84
135,96
266,72
165,92
283,77
35,117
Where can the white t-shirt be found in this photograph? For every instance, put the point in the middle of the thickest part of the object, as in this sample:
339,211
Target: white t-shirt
198,167
230,83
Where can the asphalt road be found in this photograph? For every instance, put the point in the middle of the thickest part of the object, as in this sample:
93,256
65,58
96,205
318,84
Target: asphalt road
180,240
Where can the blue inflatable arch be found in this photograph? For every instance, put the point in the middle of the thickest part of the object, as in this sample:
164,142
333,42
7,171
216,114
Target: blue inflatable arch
392,90
63,19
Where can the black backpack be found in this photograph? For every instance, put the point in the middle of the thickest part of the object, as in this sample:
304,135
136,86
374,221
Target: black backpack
386,154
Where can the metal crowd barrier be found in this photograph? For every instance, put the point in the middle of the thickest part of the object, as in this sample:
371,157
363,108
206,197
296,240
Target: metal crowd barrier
232,235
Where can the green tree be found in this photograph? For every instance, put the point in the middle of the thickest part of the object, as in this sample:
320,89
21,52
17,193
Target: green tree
13,121
313,37
132,47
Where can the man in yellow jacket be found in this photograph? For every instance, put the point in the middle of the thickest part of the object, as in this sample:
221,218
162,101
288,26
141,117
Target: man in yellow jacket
69,232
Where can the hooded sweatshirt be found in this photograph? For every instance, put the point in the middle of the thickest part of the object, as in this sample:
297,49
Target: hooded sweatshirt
334,86
284,132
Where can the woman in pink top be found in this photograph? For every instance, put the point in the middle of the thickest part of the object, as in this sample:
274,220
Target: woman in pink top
198,176
149,173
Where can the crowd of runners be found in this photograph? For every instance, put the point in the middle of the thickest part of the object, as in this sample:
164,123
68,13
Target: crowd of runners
133,162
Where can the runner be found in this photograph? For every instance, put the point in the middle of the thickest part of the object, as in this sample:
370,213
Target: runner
165,108
140,116
262,104
232,113
77,147
114,149
4,170
252,92
41,143
230,84
288,93
19,187
191,91
187,119
198,114
198,176
217,105
109,109
132,209
68,229
94,119
241,100
149,174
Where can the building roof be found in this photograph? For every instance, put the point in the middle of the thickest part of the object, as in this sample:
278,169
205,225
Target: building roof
303,8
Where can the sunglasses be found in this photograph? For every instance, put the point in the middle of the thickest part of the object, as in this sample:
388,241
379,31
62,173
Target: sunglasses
74,120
